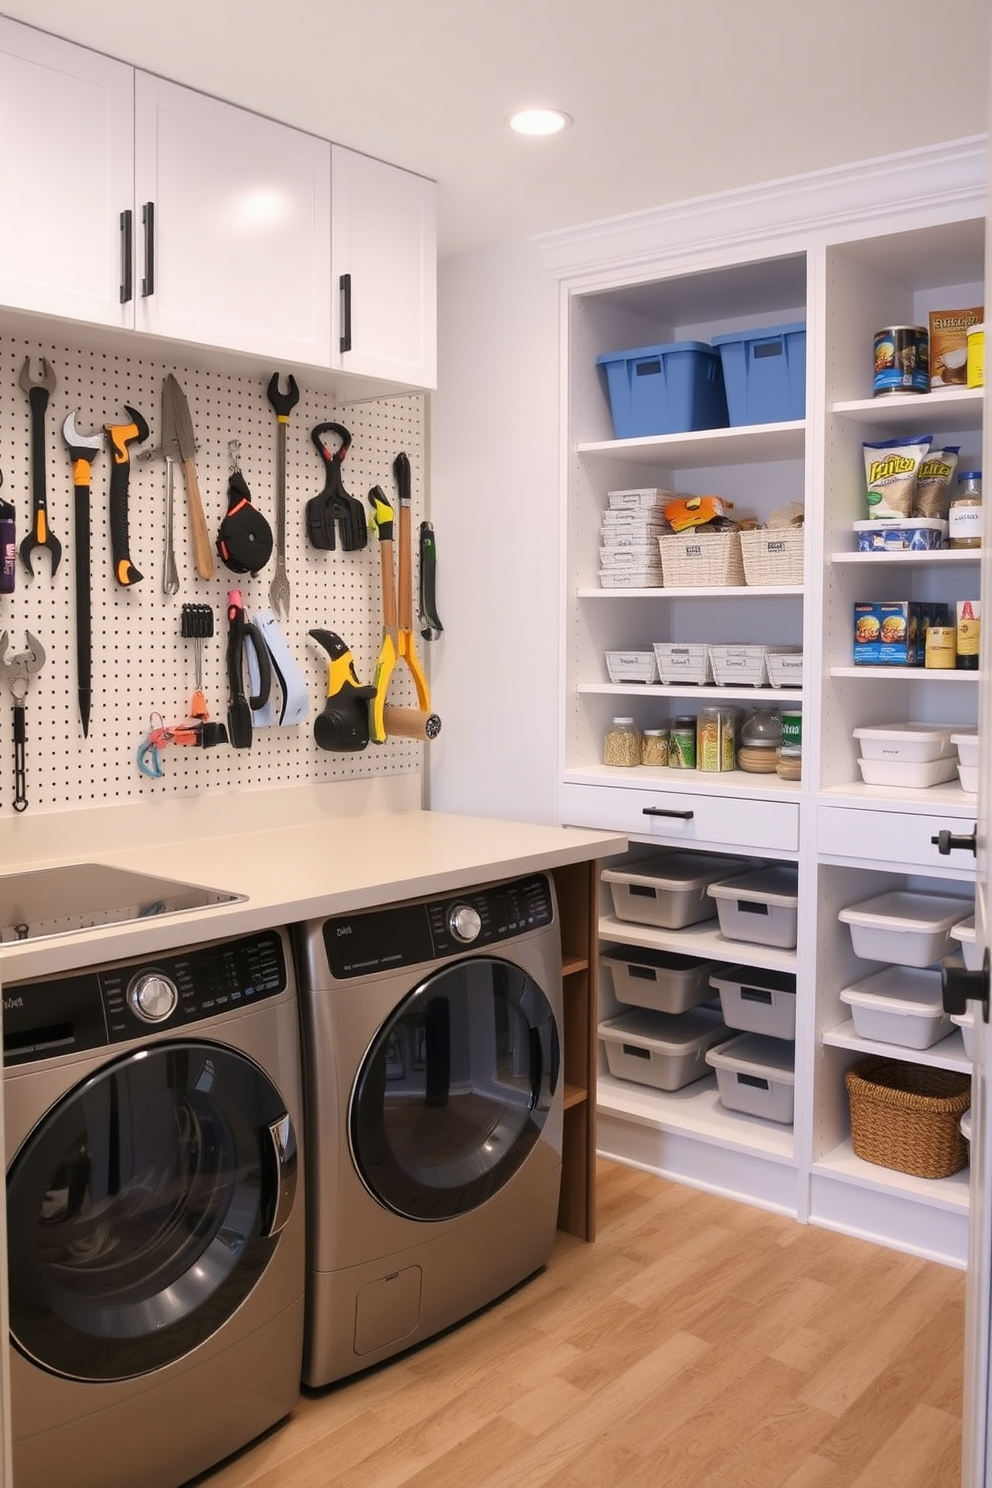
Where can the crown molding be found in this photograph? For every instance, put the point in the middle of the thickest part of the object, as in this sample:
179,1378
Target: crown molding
948,176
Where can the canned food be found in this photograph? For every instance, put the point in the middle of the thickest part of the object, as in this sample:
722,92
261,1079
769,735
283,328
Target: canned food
902,360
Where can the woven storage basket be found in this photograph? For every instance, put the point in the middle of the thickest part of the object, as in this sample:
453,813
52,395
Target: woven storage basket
710,561
907,1116
773,555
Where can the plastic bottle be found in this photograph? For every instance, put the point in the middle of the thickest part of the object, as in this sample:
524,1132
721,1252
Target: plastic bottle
964,519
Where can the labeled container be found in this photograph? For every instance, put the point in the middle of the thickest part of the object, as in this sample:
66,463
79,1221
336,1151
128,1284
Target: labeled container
941,648
757,1000
949,345
964,933
773,556
905,743
684,662
764,372
760,907
968,635
785,668
792,727
902,360
888,632
708,560
908,775
661,980
976,355
966,1023
900,534
622,743
669,889
964,516
682,743
656,1049
756,1074
666,389
904,926
632,666
900,1005
907,1116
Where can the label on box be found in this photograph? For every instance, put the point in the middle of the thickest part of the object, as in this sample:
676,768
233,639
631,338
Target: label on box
887,634
949,345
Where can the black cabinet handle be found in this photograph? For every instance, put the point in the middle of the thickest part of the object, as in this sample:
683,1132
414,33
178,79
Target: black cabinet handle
148,222
947,842
664,811
345,283
127,288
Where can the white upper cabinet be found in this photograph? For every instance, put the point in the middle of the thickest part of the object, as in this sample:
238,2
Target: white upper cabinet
237,254
66,176
384,261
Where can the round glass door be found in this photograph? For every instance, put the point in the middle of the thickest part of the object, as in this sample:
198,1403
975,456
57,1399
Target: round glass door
455,1089
143,1209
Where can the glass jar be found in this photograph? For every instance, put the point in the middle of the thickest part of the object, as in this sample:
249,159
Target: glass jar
622,743
964,519
654,747
682,743
762,726
789,762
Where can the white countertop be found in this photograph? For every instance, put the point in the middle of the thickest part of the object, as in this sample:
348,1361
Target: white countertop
303,869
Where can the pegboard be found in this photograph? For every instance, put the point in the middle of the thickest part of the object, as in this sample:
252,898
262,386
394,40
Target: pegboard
143,669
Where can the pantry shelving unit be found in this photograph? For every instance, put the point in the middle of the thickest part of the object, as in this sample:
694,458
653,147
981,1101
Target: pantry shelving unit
810,253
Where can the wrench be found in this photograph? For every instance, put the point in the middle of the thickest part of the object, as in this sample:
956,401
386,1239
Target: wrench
83,450
40,535
18,671
283,403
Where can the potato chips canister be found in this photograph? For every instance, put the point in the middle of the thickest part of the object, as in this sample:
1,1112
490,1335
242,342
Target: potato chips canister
902,360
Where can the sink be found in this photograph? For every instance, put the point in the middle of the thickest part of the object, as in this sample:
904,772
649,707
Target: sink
43,902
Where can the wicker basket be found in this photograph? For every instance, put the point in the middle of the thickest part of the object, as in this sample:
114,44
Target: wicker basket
708,561
907,1116
773,555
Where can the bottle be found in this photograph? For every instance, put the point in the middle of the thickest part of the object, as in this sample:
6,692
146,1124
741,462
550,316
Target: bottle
976,355
622,744
969,615
964,519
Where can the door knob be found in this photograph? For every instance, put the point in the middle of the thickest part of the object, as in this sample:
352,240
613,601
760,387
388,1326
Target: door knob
947,842
959,986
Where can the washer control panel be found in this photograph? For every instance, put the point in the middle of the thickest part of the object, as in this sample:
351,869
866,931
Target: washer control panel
380,940
114,1004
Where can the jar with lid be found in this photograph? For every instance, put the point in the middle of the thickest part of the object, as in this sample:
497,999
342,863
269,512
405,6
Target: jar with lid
682,743
789,762
964,518
622,743
654,747
761,734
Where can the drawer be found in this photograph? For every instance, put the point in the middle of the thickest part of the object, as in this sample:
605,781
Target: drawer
682,817
892,839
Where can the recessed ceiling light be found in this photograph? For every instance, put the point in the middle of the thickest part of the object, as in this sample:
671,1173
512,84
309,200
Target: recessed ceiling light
540,121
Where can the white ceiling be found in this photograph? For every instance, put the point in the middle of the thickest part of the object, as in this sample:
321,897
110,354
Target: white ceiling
670,99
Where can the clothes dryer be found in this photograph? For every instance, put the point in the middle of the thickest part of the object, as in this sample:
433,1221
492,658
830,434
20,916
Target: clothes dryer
434,1114
155,1213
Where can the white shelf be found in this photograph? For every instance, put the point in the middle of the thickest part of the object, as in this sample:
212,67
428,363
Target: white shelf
703,940
938,412
937,800
748,444
697,1110
727,591
935,559
903,674
686,782
948,1054
687,690
942,1193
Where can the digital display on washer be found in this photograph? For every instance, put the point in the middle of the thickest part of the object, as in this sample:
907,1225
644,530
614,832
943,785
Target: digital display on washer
378,940
89,1010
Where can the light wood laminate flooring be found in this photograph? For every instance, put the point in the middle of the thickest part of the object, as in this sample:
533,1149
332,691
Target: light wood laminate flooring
699,1343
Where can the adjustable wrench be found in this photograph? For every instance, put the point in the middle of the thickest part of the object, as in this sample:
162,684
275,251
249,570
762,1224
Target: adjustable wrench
40,535
83,450
283,403
18,671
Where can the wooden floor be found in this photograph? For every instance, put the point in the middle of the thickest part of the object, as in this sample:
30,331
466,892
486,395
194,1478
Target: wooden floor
699,1343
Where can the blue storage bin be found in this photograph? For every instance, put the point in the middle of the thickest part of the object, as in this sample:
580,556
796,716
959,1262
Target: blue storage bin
765,373
665,389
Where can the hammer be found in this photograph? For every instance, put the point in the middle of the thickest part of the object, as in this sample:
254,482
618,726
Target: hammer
121,436
83,450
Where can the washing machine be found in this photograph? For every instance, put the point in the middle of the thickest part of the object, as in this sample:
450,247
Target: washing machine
155,1211
433,1092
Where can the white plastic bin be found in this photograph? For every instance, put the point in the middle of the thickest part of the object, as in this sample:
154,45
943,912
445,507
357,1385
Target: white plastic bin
662,980
668,890
760,907
906,927
900,1005
756,1075
964,933
966,744
757,1000
966,1022
655,1049
968,776
908,774
905,743
964,1125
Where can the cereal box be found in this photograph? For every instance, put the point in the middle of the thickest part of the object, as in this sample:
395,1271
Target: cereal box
888,634
949,345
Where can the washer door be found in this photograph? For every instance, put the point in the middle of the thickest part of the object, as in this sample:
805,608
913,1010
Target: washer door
455,1089
143,1209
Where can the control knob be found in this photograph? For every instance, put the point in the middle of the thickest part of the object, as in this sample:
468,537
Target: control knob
153,997
464,922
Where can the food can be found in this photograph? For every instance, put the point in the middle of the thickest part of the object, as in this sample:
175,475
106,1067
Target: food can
902,360
682,744
792,728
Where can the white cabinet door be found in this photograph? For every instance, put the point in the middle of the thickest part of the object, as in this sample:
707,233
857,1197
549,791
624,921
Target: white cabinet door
384,258
238,252
66,177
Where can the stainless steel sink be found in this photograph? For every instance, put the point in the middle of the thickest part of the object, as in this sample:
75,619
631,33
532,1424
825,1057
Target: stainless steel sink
43,902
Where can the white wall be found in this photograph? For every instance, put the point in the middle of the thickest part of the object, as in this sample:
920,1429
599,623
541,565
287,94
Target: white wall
494,504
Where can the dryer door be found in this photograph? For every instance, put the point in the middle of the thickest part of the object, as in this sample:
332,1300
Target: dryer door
455,1089
144,1207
